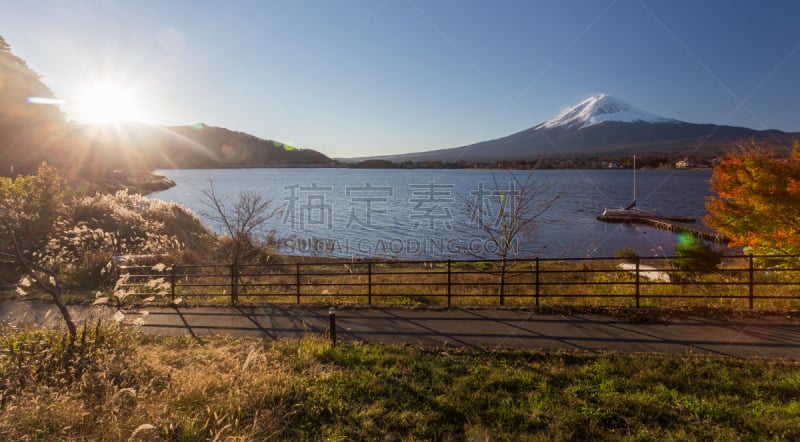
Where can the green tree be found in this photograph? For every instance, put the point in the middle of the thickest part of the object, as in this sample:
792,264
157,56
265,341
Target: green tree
757,201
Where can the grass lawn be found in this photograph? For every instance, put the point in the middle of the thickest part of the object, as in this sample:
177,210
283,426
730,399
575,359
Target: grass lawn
113,385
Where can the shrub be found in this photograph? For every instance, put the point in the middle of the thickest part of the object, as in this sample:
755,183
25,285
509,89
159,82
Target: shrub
626,254
30,205
695,255
78,236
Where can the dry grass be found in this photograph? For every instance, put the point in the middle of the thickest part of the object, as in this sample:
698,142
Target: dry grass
588,283
123,387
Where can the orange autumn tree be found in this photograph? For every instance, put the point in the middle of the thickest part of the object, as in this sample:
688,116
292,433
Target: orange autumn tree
757,201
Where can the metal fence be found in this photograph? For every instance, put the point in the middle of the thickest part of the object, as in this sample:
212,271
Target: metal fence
738,281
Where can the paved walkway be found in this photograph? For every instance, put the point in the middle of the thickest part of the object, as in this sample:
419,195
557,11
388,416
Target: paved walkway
768,337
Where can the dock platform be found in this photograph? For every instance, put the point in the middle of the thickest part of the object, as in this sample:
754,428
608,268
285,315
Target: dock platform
671,223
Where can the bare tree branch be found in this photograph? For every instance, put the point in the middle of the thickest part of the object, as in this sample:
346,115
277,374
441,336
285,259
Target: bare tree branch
508,215
241,219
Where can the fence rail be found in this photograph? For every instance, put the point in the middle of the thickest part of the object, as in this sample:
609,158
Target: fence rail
738,281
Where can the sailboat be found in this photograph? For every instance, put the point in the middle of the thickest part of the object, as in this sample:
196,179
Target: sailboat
632,210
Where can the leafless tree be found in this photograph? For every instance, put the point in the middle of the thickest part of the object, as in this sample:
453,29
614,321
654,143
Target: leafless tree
242,219
508,215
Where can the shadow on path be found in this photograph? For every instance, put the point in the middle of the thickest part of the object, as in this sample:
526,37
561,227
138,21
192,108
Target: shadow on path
768,337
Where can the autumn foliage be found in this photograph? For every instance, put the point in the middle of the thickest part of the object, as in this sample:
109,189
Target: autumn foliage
757,201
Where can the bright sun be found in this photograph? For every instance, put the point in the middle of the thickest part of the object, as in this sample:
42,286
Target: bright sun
107,103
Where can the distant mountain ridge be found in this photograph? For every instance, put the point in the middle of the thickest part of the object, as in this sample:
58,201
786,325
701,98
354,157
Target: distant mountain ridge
94,151
194,146
602,126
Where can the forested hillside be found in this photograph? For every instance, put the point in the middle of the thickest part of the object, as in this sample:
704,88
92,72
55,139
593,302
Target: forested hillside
28,126
33,129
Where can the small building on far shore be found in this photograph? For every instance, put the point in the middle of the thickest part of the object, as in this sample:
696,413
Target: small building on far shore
686,163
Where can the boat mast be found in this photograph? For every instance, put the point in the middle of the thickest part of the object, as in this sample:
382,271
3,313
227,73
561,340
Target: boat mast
634,182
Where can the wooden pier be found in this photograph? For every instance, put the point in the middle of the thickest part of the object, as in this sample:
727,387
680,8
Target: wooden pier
671,223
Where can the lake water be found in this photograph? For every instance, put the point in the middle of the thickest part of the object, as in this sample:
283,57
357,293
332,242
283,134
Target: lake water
423,213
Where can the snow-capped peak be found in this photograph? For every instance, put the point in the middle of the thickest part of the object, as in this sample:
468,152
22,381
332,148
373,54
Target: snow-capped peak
598,109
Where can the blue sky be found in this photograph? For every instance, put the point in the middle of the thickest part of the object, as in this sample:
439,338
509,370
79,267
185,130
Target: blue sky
369,77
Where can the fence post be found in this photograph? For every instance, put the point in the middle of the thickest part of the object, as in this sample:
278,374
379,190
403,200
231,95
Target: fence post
537,281
234,286
369,282
638,260
752,280
449,281
297,281
503,283
172,283
332,324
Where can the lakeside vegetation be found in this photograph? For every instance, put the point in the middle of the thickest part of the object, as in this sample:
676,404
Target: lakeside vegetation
112,385
700,279
76,233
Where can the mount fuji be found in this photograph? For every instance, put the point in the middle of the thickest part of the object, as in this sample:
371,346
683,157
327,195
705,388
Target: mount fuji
603,126
600,109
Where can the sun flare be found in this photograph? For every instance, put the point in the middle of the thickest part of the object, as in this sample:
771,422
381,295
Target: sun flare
107,103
